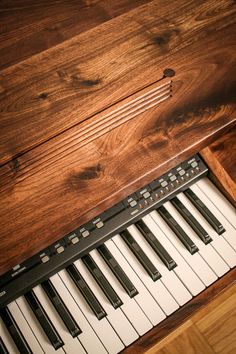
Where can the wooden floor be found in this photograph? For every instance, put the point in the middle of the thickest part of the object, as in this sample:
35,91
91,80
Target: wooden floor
210,331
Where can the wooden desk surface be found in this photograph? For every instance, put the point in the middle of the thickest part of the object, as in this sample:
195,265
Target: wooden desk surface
58,73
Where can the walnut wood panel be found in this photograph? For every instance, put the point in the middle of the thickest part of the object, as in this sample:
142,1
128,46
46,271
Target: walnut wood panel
54,90
60,119
63,183
221,158
172,322
29,27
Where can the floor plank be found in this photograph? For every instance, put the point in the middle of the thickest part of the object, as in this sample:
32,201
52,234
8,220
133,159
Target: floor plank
211,330
187,340
218,327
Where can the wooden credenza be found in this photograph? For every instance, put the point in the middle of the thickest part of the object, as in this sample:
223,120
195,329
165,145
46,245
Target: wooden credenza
98,98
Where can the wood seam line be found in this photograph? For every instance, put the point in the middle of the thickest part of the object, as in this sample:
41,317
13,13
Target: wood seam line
223,303
171,336
204,339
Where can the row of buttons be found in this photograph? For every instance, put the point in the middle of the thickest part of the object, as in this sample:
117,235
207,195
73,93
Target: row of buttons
98,223
73,239
45,258
156,190
164,184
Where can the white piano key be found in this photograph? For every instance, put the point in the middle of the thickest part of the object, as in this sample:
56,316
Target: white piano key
3,349
7,339
143,298
183,270
35,327
218,199
222,247
71,345
156,289
130,308
88,337
115,316
102,328
208,252
25,329
176,293
197,263
206,197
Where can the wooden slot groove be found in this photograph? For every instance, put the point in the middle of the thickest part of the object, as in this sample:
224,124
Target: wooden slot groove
83,142
101,124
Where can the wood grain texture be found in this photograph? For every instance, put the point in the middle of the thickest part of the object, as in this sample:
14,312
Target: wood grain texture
218,327
187,339
212,330
29,27
48,93
151,340
63,84
62,183
221,158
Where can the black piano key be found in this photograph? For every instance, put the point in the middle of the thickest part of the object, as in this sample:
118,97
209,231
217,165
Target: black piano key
140,255
117,271
156,245
206,213
86,292
15,332
44,320
190,219
102,281
61,308
177,229
3,349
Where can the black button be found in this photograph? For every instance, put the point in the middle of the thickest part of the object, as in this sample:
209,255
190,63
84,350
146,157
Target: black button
169,72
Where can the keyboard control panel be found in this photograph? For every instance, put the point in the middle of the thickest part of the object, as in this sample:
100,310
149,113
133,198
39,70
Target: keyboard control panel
92,234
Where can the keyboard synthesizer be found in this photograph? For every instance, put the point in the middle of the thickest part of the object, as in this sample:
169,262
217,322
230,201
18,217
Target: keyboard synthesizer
105,284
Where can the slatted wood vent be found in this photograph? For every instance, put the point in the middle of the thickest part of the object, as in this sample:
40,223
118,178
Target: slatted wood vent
126,109
95,126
